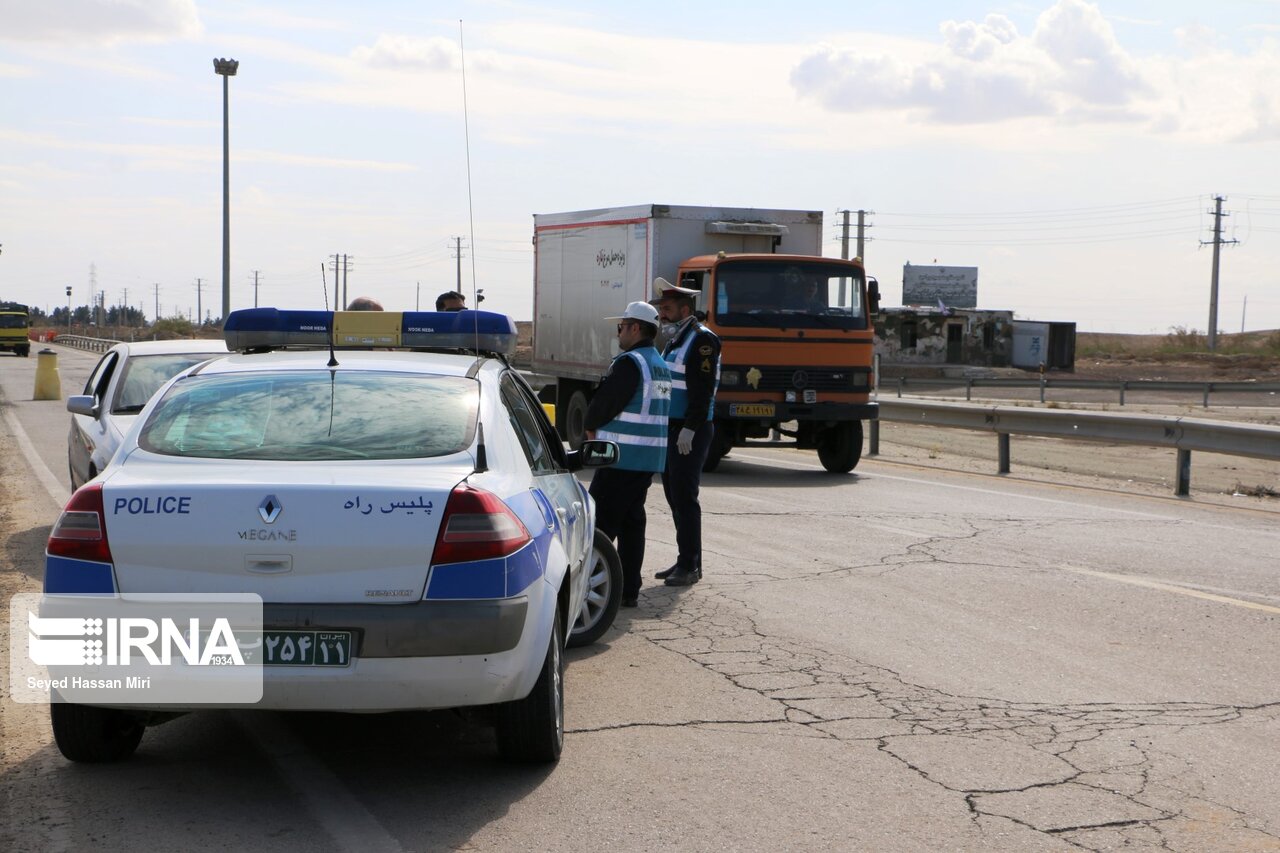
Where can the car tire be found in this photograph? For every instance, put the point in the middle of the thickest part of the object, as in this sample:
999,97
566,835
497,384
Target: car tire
840,447
604,594
531,730
94,735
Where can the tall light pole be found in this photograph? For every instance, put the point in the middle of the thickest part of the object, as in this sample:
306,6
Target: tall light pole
226,68
68,309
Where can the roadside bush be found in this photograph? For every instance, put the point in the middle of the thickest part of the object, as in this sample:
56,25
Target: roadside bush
172,328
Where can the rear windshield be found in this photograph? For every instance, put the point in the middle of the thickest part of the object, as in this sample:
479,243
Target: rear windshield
144,374
314,416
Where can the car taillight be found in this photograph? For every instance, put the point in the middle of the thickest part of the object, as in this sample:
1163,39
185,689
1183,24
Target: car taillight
477,526
81,530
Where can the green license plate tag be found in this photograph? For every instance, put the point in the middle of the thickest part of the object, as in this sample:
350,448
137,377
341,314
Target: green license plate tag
306,648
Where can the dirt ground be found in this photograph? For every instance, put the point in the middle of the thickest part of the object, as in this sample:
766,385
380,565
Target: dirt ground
1234,480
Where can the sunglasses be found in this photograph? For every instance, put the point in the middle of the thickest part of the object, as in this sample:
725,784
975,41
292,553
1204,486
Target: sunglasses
622,326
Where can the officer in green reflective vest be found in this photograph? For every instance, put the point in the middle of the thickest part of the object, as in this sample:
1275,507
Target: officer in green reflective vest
630,407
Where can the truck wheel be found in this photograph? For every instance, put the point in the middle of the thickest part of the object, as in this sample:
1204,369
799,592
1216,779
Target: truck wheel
25,352
571,419
604,594
840,447
532,729
94,735
721,444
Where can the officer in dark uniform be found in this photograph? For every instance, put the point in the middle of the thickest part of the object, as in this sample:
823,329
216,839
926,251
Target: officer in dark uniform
693,355
630,407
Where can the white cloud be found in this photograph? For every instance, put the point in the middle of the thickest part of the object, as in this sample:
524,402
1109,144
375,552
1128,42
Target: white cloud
1082,44
100,21
987,71
405,53
7,70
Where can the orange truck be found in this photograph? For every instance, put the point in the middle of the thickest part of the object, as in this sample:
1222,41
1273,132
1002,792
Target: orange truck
796,328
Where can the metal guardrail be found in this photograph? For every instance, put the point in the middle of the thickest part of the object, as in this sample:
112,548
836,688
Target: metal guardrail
1121,386
1181,434
86,343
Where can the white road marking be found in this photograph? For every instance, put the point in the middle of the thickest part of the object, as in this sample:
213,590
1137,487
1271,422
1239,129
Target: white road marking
1169,587
46,477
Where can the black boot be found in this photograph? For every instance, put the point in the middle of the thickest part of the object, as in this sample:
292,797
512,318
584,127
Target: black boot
665,573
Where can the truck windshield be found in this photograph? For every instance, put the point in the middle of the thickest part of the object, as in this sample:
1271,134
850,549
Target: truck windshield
13,321
789,294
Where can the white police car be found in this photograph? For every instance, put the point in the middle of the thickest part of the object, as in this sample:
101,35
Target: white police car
416,507
120,385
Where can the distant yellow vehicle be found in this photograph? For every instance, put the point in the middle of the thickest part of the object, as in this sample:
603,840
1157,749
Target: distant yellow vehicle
15,322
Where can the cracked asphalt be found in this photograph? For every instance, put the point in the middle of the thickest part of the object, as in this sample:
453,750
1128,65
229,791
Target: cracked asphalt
901,659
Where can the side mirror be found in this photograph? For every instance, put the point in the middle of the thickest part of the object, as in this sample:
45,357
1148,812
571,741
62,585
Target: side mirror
594,453
83,404
873,296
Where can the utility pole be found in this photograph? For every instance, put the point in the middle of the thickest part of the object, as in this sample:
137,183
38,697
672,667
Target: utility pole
457,243
417,297
1243,309
255,288
1213,280
124,308
199,293
157,287
844,236
862,230
341,263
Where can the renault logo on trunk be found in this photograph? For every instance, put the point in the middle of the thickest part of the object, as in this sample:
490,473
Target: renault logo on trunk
270,508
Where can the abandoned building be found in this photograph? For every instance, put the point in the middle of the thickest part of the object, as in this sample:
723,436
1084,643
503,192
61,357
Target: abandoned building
920,336
963,336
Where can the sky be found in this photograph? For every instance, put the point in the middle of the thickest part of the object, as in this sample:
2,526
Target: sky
1070,151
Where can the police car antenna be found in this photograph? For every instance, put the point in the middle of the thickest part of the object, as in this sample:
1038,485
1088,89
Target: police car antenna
471,213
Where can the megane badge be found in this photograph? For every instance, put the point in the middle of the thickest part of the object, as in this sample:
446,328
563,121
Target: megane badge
270,508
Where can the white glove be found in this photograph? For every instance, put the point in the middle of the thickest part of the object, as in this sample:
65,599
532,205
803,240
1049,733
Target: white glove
684,441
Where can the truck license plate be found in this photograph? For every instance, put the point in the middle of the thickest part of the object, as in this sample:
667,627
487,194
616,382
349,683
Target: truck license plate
751,410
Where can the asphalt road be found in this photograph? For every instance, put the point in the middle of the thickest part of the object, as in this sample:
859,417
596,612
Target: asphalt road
900,659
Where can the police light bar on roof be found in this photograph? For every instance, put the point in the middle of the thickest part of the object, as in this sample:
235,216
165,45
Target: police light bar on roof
271,328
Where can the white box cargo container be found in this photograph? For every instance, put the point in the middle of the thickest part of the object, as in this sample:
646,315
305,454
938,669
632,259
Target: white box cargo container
589,264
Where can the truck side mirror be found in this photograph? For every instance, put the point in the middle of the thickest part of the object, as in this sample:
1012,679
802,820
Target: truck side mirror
873,296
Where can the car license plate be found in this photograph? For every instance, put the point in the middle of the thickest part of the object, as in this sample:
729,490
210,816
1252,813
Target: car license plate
751,410
306,648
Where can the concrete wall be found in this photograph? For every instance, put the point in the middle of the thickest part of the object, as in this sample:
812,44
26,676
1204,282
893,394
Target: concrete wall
920,335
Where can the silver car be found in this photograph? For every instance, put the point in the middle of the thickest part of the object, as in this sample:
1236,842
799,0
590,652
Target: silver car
120,385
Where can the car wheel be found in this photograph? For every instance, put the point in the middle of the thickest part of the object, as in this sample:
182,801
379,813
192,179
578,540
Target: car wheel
840,447
604,594
94,735
532,729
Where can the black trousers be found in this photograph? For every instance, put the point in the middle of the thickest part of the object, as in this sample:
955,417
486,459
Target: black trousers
620,495
681,482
